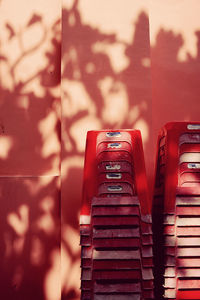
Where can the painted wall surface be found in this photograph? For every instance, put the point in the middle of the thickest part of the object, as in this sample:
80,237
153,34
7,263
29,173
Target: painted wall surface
106,83
30,48
117,64
175,62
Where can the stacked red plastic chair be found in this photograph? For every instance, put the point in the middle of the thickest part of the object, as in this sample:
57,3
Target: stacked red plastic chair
176,212
115,222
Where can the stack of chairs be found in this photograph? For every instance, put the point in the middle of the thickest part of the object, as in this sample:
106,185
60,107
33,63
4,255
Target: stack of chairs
115,221
176,212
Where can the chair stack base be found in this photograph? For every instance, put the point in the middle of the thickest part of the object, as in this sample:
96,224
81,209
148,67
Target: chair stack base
116,236
117,251
182,250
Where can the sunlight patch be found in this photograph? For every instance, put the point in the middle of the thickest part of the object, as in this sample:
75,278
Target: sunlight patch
102,15
116,105
173,17
37,254
79,130
76,99
19,221
141,124
47,129
6,144
52,282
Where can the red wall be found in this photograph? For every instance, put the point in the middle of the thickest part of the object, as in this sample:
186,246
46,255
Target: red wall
115,66
30,149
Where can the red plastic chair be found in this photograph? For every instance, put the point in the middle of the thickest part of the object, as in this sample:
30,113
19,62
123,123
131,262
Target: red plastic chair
115,222
176,212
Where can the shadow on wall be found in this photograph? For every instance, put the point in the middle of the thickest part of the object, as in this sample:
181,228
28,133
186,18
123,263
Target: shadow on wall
29,237
30,147
97,96
27,102
175,83
104,91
